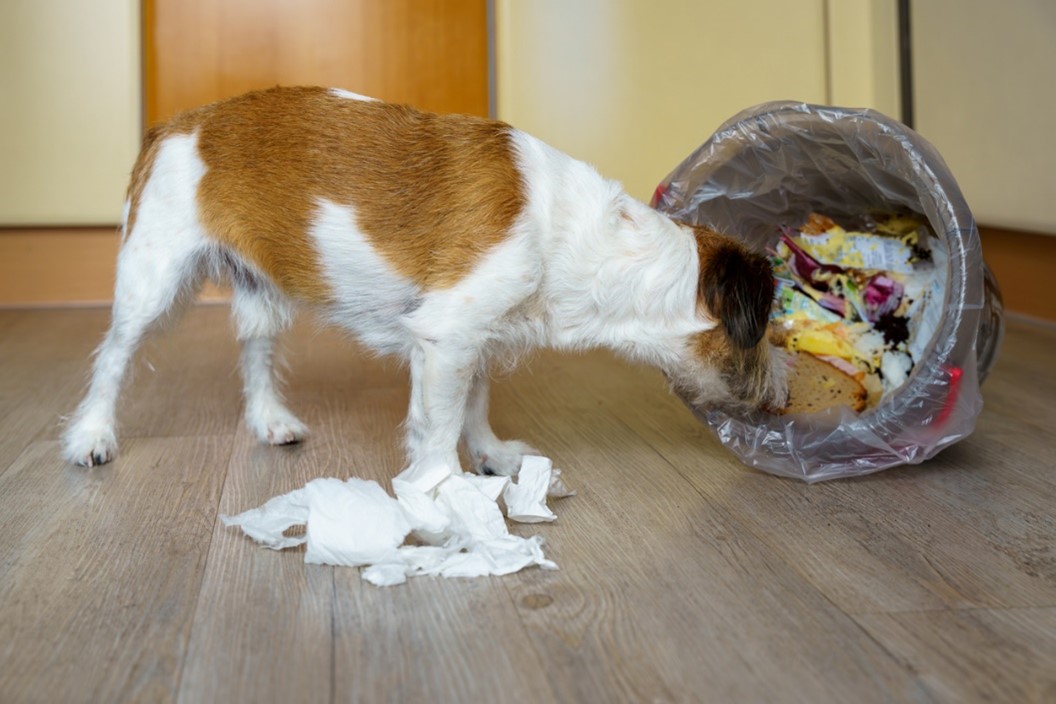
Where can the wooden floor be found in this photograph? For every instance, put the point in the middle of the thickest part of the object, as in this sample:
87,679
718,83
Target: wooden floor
684,576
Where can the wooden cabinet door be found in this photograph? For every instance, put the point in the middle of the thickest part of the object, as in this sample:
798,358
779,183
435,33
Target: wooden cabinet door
430,53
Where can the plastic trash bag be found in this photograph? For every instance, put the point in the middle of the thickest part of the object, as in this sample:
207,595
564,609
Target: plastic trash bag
775,164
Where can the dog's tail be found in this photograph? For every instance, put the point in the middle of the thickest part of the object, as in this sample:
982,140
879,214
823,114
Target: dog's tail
737,287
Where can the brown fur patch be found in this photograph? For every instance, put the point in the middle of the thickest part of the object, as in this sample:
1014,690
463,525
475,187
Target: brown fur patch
708,243
746,372
712,347
736,287
432,193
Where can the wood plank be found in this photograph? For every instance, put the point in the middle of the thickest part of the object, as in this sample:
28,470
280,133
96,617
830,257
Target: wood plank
1022,383
932,548
263,625
182,383
684,575
266,612
42,355
264,630
1030,343
653,570
432,639
185,379
977,655
445,640
101,569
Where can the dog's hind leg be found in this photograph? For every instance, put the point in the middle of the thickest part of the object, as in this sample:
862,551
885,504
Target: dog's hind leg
155,275
489,454
260,314
159,267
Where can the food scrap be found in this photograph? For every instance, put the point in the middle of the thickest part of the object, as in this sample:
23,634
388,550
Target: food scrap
815,385
849,294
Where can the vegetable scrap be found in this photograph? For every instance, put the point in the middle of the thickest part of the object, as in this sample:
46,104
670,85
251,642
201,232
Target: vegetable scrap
851,294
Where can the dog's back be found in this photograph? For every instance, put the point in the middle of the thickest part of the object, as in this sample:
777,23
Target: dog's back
431,193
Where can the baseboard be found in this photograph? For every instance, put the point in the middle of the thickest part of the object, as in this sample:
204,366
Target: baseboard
75,266
1024,265
57,266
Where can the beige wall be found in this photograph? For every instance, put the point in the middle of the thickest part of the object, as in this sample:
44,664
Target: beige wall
69,109
862,55
633,87
985,76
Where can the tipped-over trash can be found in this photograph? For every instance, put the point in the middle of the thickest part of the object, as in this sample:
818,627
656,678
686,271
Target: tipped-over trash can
774,165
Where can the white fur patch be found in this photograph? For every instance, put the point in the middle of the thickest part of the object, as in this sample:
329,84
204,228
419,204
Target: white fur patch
483,309
626,283
158,258
371,298
349,95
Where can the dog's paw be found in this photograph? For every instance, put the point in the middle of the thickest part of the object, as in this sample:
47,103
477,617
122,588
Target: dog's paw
501,458
277,426
286,433
90,445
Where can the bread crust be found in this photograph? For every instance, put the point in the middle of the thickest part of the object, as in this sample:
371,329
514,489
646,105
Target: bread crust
815,386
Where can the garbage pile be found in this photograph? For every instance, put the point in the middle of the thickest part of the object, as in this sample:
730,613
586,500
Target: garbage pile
855,295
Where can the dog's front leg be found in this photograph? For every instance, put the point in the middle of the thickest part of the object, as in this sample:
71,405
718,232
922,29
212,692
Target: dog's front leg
489,454
441,376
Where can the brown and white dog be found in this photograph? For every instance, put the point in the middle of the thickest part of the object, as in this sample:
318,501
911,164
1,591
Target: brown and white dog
448,240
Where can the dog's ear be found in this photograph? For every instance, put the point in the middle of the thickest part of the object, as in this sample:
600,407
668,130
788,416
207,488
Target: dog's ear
737,287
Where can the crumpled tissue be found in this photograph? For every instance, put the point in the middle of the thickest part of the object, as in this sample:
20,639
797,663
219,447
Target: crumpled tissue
455,516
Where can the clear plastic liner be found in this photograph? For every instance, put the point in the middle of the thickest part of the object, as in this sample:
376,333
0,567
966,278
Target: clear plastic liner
775,164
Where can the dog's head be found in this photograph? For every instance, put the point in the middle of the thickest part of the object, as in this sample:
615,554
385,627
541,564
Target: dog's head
733,364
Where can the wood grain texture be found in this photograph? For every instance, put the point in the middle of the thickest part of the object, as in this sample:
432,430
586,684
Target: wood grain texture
282,611
432,53
43,362
975,655
263,627
328,626
669,561
435,639
101,569
684,575
189,388
947,549
1026,362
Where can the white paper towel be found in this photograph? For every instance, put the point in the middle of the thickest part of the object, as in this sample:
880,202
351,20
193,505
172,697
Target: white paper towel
457,517
526,500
